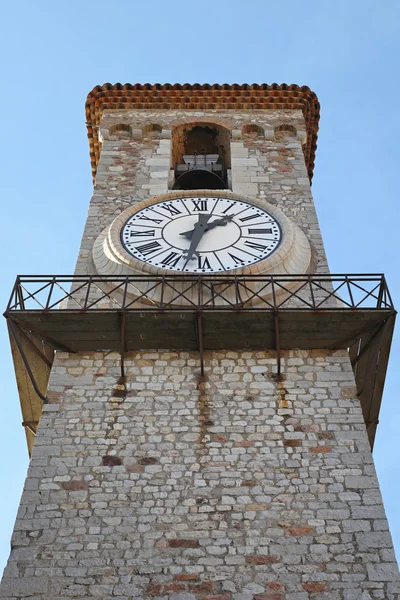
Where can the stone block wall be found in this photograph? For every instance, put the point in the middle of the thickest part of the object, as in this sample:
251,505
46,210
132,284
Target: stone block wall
240,488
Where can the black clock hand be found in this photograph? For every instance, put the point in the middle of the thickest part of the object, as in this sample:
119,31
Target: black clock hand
223,221
197,234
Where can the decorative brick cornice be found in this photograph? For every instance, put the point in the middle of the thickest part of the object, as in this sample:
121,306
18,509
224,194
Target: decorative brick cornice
202,97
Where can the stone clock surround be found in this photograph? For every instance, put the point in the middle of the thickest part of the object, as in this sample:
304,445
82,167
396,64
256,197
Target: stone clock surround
292,255
110,258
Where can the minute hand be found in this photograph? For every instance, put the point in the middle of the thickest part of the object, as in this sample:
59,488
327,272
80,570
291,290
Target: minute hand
196,235
223,221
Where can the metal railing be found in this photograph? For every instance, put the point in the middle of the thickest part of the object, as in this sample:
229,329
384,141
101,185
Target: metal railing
200,292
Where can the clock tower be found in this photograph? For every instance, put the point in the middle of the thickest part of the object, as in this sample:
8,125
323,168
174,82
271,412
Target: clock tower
200,398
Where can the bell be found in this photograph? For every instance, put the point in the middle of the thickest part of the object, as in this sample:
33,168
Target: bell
199,178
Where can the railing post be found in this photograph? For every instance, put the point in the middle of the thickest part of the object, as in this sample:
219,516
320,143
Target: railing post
87,292
273,293
162,291
50,293
236,291
350,292
389,297
125,292
199,293
19,297
312,292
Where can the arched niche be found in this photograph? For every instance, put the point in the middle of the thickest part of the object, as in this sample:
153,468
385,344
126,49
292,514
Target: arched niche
253,130
285,130
120,130
152,130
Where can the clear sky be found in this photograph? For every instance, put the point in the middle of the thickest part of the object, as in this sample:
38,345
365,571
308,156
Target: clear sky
54,53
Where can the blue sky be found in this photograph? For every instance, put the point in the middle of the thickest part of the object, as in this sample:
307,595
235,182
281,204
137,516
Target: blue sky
54,53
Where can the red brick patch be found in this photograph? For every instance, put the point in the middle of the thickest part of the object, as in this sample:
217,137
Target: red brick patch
219,437
249,482
298,531
111,461
175,587
326,435
292,443
226,596
202,588
261,559
186,577
311,427
148,460
314,587
74,486
275,586
154,589
320,449
181,543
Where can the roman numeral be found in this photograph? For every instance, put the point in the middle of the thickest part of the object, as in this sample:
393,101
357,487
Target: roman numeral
254,245
171,209
226,210
199,205
149,232
148,248
259,231
249,218
144,218
172,259
203,265
236,259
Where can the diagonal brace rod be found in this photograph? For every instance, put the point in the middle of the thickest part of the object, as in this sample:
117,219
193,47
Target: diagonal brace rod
26,362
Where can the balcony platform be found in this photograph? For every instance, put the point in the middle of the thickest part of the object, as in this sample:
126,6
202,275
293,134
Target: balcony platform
306,312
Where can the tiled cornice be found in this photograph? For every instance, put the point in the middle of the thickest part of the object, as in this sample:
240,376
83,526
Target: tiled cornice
202,97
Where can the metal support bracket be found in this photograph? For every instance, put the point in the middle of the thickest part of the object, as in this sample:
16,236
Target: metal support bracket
373,360
31,426
14,333
32,345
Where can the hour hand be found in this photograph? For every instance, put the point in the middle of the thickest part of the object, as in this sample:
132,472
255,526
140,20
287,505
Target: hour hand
202,221
223,221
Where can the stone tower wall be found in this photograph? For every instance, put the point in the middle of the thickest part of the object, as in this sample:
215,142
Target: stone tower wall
164,486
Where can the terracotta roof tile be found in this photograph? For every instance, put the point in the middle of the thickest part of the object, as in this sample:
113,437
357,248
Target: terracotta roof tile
202,97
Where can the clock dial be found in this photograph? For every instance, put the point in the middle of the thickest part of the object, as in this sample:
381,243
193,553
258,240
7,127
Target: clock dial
201,235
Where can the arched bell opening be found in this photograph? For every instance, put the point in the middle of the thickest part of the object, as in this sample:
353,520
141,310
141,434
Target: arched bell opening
201,157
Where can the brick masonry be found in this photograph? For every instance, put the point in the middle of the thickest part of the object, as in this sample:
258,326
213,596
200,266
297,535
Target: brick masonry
164,486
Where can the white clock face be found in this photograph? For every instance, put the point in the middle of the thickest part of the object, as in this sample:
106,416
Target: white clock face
201,235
